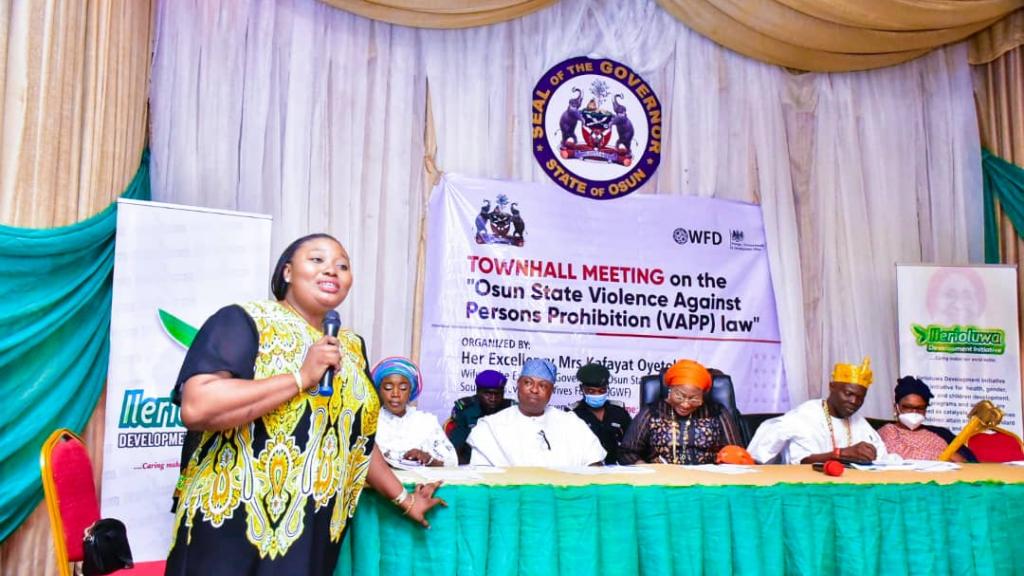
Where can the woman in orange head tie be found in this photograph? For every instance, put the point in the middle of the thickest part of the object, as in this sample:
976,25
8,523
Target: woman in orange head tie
682,428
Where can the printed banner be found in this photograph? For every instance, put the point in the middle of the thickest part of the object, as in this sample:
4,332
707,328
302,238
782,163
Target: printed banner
174,266
958,333
519,269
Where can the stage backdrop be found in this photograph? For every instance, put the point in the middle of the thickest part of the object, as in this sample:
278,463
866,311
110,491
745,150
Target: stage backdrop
958,333
520,269
187,262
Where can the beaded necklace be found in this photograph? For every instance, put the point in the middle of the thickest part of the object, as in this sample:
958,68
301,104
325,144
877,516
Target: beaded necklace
831,431
675,438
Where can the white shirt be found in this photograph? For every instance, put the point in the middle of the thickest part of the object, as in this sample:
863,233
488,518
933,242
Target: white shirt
555,438
396,435
804,431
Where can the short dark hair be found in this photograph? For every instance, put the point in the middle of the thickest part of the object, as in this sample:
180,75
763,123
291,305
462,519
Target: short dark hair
278,287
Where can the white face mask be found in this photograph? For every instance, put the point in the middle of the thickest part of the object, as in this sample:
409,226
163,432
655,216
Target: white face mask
911,420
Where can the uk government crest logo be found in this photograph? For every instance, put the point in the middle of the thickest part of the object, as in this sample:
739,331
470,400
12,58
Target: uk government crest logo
500,223
596,127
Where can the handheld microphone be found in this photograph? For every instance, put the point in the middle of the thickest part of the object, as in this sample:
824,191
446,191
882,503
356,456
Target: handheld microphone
829,467
332,323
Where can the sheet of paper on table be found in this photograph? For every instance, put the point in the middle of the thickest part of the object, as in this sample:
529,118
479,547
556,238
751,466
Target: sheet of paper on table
483,469
445,473
722,468
1015,463
909,465
601,470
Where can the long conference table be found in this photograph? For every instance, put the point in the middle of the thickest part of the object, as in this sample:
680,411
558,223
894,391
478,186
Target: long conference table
677,520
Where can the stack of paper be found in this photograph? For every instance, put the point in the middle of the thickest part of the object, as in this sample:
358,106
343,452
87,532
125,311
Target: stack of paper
909,465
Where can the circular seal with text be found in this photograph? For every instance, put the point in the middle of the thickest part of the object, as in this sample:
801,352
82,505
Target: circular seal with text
596,127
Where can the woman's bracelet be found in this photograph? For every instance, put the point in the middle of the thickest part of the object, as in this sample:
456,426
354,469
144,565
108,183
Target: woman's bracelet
397,500
298,381
430,461
412,502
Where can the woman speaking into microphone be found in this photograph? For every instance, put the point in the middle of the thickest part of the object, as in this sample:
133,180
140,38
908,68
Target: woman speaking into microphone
273,469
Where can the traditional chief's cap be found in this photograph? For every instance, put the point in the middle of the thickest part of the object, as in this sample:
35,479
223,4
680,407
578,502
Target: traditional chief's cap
539,368
910,385
853,374
593,374
490,379
688,372
402,367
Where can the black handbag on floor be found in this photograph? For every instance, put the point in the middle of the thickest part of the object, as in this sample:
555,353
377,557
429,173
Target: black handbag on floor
105,548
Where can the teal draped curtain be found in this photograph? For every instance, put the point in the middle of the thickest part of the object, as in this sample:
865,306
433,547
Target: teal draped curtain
811,529
54,340
1004,182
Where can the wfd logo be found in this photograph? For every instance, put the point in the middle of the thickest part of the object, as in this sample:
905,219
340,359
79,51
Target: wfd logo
684,236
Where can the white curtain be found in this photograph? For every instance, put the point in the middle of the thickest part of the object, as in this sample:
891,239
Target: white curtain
308,113
318,117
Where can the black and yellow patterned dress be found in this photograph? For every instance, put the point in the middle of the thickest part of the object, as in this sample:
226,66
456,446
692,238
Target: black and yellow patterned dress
659,435
274,496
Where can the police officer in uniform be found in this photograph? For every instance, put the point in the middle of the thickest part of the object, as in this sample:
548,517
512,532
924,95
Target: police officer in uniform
489,398
607,420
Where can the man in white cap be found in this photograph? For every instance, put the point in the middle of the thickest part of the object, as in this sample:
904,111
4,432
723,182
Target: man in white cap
533,433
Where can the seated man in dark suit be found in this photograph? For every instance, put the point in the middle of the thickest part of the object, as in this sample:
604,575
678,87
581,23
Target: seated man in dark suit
608,420
489,398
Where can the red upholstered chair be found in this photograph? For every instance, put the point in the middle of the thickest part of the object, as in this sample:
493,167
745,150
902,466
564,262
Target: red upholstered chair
71,500
1000,445
70,494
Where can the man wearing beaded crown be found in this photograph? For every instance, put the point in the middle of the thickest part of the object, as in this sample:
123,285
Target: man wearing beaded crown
823,429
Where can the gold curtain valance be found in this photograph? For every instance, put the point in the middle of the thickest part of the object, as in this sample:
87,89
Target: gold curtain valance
439,13
815,35
840,35
999,39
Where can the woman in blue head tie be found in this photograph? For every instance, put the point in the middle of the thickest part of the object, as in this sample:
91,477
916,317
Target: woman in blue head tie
407,436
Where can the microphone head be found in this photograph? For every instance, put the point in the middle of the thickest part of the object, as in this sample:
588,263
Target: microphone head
834,468
829,467
332,323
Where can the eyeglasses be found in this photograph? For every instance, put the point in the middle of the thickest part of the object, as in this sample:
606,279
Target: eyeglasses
682,398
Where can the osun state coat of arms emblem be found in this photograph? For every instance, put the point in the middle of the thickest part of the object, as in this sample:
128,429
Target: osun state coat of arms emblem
596,128
500,223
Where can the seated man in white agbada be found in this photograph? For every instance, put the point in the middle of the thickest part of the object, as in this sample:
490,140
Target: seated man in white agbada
533,433
823,429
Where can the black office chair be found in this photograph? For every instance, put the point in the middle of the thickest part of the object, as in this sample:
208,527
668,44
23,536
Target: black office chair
723,392
877,423
751,422
652,389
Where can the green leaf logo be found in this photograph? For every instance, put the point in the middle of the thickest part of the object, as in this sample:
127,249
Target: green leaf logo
180,331
959,339
920,334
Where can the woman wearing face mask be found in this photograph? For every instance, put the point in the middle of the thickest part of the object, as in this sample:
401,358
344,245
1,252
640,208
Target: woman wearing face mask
608,420
404,434
909,436
684,427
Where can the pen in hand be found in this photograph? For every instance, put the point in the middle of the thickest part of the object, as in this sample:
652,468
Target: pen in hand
544,437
